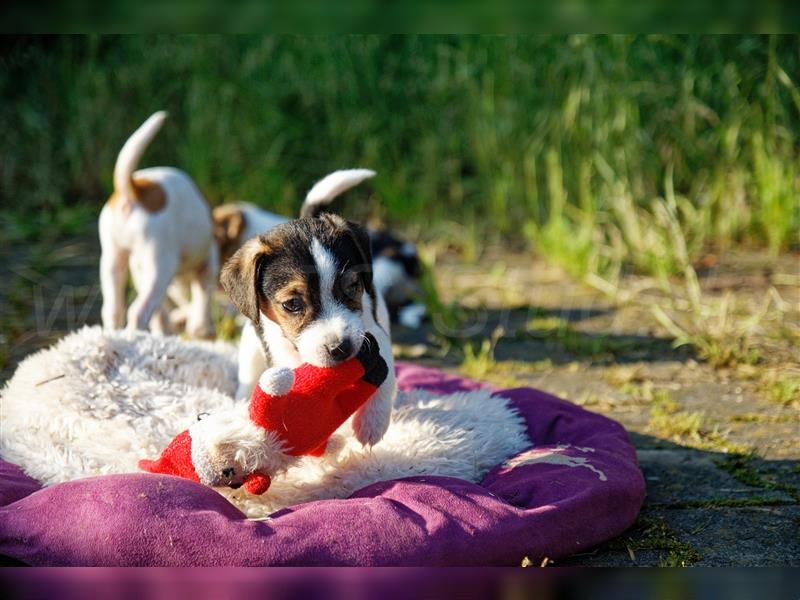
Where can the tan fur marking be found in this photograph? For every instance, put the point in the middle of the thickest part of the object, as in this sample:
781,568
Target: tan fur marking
229,226
113,199
150,195
290,323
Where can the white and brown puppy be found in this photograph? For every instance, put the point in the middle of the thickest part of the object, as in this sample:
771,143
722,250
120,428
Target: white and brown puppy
158,225
307,288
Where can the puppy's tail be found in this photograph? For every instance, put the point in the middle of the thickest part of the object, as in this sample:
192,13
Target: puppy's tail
132,151
329,187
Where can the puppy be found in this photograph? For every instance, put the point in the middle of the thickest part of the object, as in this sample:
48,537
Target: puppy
396,265
157,224
307,288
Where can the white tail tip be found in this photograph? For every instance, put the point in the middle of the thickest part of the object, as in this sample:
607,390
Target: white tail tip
330,186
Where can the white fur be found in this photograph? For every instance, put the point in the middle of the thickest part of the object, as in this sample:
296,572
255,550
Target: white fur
330,186
257,220
174,244
277,381
391,280
335,323
97,402
412,315
251,362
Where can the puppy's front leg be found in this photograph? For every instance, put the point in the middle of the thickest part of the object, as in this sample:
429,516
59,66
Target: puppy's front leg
113,276
199,322
372,420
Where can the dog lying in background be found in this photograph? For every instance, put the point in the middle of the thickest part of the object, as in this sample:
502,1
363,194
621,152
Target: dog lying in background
307,288
158,225
396,264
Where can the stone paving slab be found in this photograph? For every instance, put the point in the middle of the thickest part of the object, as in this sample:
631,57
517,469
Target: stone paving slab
714,537
754,536
687,476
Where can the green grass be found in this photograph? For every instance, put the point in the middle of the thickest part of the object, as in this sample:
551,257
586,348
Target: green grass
655,535
479,360
742,467
726,503
581,344
669,421
606,154
762,418
594,148
784,390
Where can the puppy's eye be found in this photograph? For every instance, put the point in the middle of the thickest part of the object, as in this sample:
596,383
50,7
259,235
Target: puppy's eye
228,472
293,305
351,283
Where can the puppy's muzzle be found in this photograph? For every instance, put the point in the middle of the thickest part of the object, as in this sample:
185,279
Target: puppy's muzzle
341,351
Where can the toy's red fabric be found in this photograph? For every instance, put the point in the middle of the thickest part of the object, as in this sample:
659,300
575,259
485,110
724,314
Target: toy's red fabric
319,402
176,459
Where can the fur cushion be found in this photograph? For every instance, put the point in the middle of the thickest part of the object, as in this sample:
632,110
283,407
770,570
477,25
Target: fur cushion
97,402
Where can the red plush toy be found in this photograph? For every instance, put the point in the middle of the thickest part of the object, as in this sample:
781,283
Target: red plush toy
290,414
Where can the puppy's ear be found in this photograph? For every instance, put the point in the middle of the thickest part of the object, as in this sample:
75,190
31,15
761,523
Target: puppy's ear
358,233
361,239
229,224
239,276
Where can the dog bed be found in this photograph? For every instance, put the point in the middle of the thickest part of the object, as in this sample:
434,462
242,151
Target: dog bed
465,474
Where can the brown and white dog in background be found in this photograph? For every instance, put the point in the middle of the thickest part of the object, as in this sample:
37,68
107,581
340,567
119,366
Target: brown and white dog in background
157,224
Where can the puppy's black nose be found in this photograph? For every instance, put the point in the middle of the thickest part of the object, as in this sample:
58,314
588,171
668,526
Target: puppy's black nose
342,351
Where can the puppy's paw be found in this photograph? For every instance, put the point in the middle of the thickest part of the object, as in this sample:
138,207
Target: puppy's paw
371,421
335,445
277,381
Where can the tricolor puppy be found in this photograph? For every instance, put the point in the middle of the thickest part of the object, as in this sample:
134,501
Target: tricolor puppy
307,288
158,225
396,265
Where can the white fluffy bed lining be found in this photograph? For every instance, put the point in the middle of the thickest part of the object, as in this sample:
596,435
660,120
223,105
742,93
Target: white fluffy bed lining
97,402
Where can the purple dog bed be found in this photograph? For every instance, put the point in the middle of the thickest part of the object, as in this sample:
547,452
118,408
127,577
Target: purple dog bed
578,486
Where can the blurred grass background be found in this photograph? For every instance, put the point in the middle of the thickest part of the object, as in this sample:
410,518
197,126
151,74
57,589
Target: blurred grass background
602,152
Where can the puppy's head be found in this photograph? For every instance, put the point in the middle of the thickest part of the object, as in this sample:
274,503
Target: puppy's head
313,278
